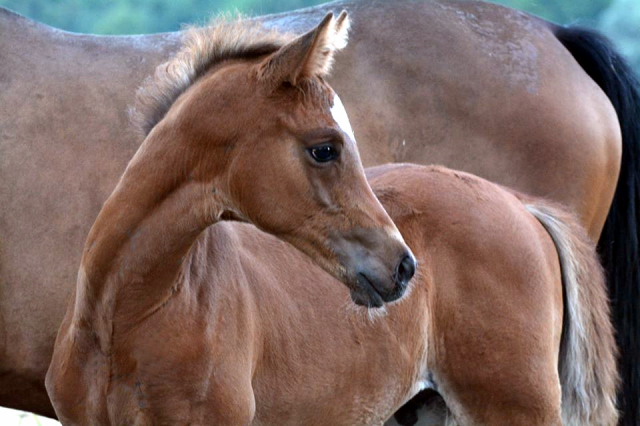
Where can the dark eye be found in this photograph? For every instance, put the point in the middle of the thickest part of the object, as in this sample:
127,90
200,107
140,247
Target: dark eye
323,153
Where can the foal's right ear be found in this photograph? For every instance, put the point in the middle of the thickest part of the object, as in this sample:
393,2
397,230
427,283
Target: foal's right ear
308,55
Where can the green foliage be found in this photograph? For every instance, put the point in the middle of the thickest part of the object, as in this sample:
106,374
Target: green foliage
621,22
585,12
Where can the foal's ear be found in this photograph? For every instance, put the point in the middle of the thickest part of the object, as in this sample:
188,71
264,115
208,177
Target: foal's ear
308,55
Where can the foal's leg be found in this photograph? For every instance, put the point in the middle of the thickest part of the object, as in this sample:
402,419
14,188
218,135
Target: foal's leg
528,407
498,388
496,371
497,327
233,404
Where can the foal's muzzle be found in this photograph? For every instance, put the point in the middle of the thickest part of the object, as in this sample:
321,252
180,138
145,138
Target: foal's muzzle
374,290
378,264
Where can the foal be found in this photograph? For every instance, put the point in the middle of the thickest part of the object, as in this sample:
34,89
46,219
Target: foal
255,333
240,125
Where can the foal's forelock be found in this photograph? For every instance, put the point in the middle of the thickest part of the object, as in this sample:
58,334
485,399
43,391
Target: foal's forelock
202,48
228,39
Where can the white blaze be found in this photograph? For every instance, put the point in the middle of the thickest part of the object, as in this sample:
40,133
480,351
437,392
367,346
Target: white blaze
340,116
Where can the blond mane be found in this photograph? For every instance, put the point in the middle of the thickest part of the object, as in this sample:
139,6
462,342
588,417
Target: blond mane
202,47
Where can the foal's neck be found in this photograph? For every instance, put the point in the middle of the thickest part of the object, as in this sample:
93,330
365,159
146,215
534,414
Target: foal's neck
133,255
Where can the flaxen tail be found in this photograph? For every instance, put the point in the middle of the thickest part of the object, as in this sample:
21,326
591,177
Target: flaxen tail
587,363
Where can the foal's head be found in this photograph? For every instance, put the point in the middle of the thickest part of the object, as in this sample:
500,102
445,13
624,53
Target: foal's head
271,142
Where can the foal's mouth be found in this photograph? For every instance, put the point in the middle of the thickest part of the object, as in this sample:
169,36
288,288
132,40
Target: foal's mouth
365,293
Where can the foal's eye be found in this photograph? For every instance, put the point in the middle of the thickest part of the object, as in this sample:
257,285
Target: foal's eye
323,153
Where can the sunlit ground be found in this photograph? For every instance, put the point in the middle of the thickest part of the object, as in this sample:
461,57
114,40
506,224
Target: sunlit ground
18,418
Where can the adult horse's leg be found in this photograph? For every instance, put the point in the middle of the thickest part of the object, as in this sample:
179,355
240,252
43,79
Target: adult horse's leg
619,242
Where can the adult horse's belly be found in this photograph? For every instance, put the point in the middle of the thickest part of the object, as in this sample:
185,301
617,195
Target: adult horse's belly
472,86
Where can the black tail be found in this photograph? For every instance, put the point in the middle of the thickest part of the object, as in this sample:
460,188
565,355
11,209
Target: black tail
619,245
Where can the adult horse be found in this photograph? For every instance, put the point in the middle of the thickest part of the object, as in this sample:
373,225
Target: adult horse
471,85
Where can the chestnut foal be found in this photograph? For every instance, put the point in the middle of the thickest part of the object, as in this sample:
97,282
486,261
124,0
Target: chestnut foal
247,130
506,326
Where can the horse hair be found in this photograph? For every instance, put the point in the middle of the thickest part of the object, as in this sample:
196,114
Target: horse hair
587,359
202,48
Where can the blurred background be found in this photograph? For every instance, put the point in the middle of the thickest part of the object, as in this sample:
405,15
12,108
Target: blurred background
618,19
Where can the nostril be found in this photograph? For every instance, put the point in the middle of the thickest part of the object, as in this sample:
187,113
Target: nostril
405,270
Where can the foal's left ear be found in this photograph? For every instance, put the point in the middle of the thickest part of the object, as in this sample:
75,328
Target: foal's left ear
308,55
